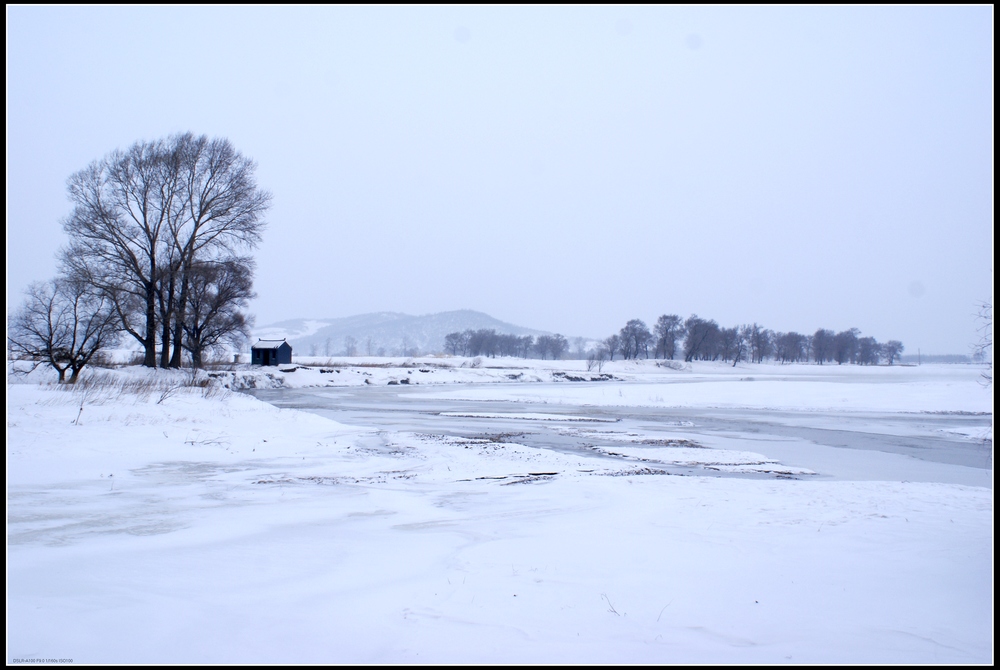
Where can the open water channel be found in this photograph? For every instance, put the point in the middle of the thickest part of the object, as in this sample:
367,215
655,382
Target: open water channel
893,446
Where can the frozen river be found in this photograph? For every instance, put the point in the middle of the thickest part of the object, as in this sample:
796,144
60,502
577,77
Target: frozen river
939,447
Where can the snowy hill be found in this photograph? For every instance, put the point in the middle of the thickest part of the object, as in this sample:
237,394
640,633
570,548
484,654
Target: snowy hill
384,333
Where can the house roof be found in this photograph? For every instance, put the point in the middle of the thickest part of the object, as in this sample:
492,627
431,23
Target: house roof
269,344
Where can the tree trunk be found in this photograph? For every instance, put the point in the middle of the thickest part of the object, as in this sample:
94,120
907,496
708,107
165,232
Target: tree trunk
165,346
180,308
150,359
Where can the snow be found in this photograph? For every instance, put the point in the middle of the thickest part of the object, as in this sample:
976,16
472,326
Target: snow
164,523
892,393
527,416
937,388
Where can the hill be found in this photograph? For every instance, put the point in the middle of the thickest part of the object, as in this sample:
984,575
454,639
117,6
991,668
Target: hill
384,333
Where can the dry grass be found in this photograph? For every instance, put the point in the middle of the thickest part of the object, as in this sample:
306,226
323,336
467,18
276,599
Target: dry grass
98,388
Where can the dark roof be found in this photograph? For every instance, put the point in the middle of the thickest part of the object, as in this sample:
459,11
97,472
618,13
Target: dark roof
268,344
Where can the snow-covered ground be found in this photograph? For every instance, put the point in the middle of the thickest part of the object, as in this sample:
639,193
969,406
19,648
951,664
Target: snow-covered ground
157,523
929,388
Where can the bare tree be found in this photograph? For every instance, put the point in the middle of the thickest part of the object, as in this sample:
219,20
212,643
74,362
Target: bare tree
559,346
822,345
743,343
455,343
221,210
892,350
761,343
612,344
351,346
869,351
983,351
728,339
701,339
791,347
508,344
62,323
554,345
634,339
483,342
596,358
845,346
405,348
217,294
669,328
543,345
118,234
143,217
525,344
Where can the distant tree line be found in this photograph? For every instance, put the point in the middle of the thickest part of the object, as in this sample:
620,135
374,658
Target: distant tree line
697,339
159,237
488,342
693,339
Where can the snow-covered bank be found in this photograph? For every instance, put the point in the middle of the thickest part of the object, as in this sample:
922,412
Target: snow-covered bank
648,383
201,526
800,387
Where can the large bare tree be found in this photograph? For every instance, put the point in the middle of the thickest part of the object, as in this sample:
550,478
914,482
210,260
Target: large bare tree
220,214
117,233
143,217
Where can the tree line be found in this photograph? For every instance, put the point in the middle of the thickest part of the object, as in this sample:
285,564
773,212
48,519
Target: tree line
159,241
693,339
488,342
701,339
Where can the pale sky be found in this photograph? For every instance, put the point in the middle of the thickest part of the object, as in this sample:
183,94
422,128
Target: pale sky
561,168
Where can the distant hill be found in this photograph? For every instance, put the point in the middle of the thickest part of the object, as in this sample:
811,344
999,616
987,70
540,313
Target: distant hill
384,333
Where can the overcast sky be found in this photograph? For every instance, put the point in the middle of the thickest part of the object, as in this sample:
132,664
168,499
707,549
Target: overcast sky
560,168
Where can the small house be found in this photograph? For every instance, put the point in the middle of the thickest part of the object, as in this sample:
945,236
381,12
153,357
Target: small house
271,352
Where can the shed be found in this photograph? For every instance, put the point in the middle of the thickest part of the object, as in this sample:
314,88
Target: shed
271,352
